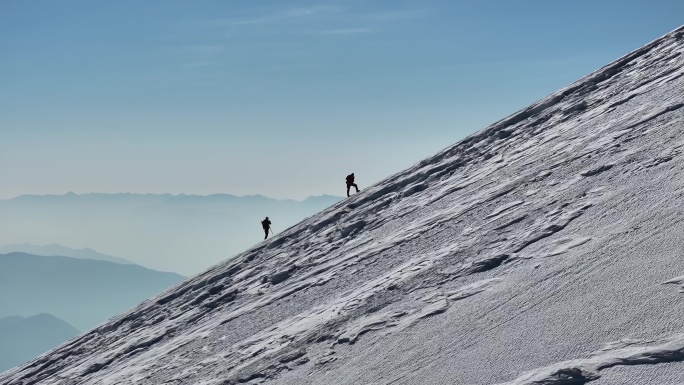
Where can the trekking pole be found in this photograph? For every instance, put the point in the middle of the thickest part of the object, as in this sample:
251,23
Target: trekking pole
271,231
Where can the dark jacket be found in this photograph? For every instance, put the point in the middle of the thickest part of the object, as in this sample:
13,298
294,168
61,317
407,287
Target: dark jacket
265,224
350,179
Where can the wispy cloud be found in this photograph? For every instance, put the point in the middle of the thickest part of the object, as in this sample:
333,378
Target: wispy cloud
321,20
205,50
196,56
399,15
318,19
345,31
281,15
317,13
200,64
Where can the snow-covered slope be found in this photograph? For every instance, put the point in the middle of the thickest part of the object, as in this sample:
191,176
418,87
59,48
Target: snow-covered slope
545,249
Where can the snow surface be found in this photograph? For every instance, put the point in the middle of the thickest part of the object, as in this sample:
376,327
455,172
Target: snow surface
545,249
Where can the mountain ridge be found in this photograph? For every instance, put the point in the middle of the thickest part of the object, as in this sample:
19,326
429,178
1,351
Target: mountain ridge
157,231
23,338
71,195
83,292
56,249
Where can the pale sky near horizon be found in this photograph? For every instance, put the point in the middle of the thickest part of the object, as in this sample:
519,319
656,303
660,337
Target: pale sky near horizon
279,98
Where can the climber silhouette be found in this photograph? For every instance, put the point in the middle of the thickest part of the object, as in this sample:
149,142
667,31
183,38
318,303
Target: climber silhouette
350,183
266,224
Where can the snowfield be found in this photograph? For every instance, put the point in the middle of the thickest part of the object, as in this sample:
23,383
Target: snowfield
546,249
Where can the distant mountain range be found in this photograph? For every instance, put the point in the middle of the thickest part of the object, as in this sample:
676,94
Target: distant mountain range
59,250
83,292
181,233
22,339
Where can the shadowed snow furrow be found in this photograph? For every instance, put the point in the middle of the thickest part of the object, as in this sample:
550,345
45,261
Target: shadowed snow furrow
585,370
677,281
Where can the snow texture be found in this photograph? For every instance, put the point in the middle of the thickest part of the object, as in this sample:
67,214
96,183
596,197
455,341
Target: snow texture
537,251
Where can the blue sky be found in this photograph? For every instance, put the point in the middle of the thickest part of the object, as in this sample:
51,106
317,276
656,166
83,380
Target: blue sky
279,98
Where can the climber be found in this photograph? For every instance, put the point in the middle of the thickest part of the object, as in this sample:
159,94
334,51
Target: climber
350,183
266,224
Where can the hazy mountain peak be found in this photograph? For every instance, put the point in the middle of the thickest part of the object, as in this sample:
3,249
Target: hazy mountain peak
24,338
55,249
84,292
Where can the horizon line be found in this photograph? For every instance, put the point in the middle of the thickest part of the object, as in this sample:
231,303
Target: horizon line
71,193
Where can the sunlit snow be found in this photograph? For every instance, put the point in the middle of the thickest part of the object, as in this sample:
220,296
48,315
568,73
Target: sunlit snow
546,249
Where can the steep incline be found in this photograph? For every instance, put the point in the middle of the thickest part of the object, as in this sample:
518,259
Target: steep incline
545,249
